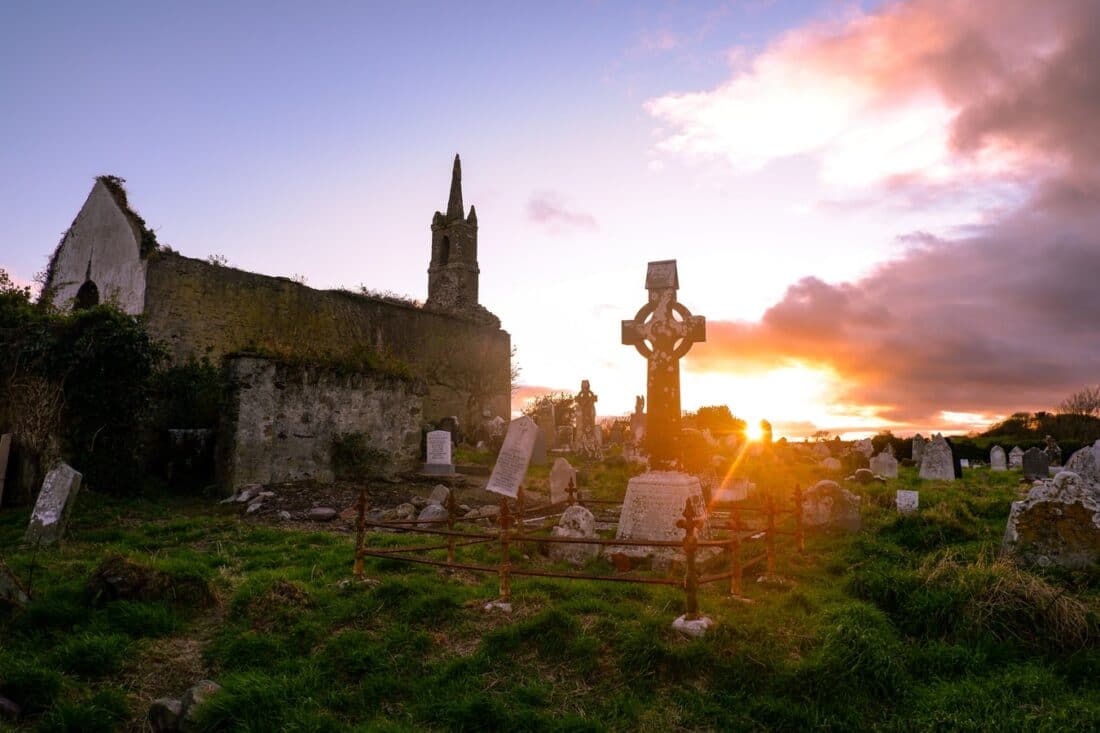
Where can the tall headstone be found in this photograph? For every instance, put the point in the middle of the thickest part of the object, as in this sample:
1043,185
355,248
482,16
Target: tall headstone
937,462
514,457
5,452
1016,458
918,449
562,474
1036,463
663,331
997,459
538,453
547,421
55,501
438,454
885,465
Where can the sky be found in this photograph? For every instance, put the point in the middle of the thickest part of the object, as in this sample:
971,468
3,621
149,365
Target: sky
886,211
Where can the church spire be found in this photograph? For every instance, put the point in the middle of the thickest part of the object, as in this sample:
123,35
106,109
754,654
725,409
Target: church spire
454,204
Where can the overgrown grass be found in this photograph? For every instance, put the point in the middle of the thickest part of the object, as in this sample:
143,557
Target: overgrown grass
911,625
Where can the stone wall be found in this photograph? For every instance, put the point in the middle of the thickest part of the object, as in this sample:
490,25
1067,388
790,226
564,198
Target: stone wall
280,420
199,309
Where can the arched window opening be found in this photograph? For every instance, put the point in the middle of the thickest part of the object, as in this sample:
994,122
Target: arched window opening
445,251
87,296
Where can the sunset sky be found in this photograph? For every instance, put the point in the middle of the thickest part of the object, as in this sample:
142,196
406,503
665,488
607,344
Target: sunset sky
889,212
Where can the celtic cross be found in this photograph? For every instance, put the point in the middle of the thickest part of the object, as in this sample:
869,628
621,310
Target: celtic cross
663,331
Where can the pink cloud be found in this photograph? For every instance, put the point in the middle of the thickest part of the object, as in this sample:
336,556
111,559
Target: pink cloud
547,208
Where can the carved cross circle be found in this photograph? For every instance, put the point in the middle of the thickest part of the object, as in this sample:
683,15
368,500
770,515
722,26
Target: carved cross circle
656,329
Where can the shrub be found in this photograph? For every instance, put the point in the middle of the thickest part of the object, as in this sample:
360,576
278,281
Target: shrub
353,458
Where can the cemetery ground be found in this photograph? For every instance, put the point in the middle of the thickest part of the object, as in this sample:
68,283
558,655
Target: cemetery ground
912,624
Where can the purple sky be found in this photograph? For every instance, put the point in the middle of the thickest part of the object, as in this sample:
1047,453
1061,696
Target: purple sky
887,211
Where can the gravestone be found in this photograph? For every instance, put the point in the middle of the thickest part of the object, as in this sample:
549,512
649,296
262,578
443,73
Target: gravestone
826,504
1036,463
561,476
5,451
438,454
964,463
885,465
514,457
907,501
918,449
865,446
547,421
1058,523
1053,450
576,522
937,462
55,501
538,452
1086,464
565,437
1016,458
662,331
997,460
586,411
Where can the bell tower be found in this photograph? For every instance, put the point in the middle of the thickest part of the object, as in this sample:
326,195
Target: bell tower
453,272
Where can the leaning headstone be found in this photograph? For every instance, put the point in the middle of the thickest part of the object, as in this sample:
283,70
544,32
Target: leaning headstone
1086,464
576,522
1057,524
885,465
826,504
936,460
1016,458
561,476
55,501
5,451
438,454
918,449
907,501
514,457
997,459
1036,463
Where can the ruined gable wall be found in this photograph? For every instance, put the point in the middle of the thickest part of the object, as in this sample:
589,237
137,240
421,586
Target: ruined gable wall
281,420
199,309
103,236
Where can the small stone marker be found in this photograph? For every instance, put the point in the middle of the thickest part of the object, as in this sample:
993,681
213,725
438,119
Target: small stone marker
907,501
55,500
1016,458
885,465
997,460
5,451
438,454
576,522
964,463
1036,463
561,475
515,455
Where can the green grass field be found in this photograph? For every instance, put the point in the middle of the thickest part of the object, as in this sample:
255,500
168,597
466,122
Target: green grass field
911,625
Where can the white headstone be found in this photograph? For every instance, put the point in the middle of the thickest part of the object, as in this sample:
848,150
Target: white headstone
51,511
654,502
561,475
964,463
438,453
997,460
907,501
515,455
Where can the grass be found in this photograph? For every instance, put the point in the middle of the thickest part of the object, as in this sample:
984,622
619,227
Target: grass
913,624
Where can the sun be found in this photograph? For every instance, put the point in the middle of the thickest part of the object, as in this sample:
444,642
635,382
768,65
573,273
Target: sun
754,431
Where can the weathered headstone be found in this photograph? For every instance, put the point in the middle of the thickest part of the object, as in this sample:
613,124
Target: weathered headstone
826,504
1053,450
1057,524
561,476
864,446
918,449
1036,463
55,501
1086,464
538,452
907,501
514,457
1016,458
732,490
575,522
654,502
937,463
831,464
997,459
5,451
438,453
663,331
565,437
885,465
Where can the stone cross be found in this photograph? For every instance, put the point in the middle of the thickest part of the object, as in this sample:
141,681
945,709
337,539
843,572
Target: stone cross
663,331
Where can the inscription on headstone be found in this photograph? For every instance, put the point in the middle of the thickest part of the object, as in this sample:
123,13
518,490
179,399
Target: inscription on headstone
515,455
438,453
997,460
